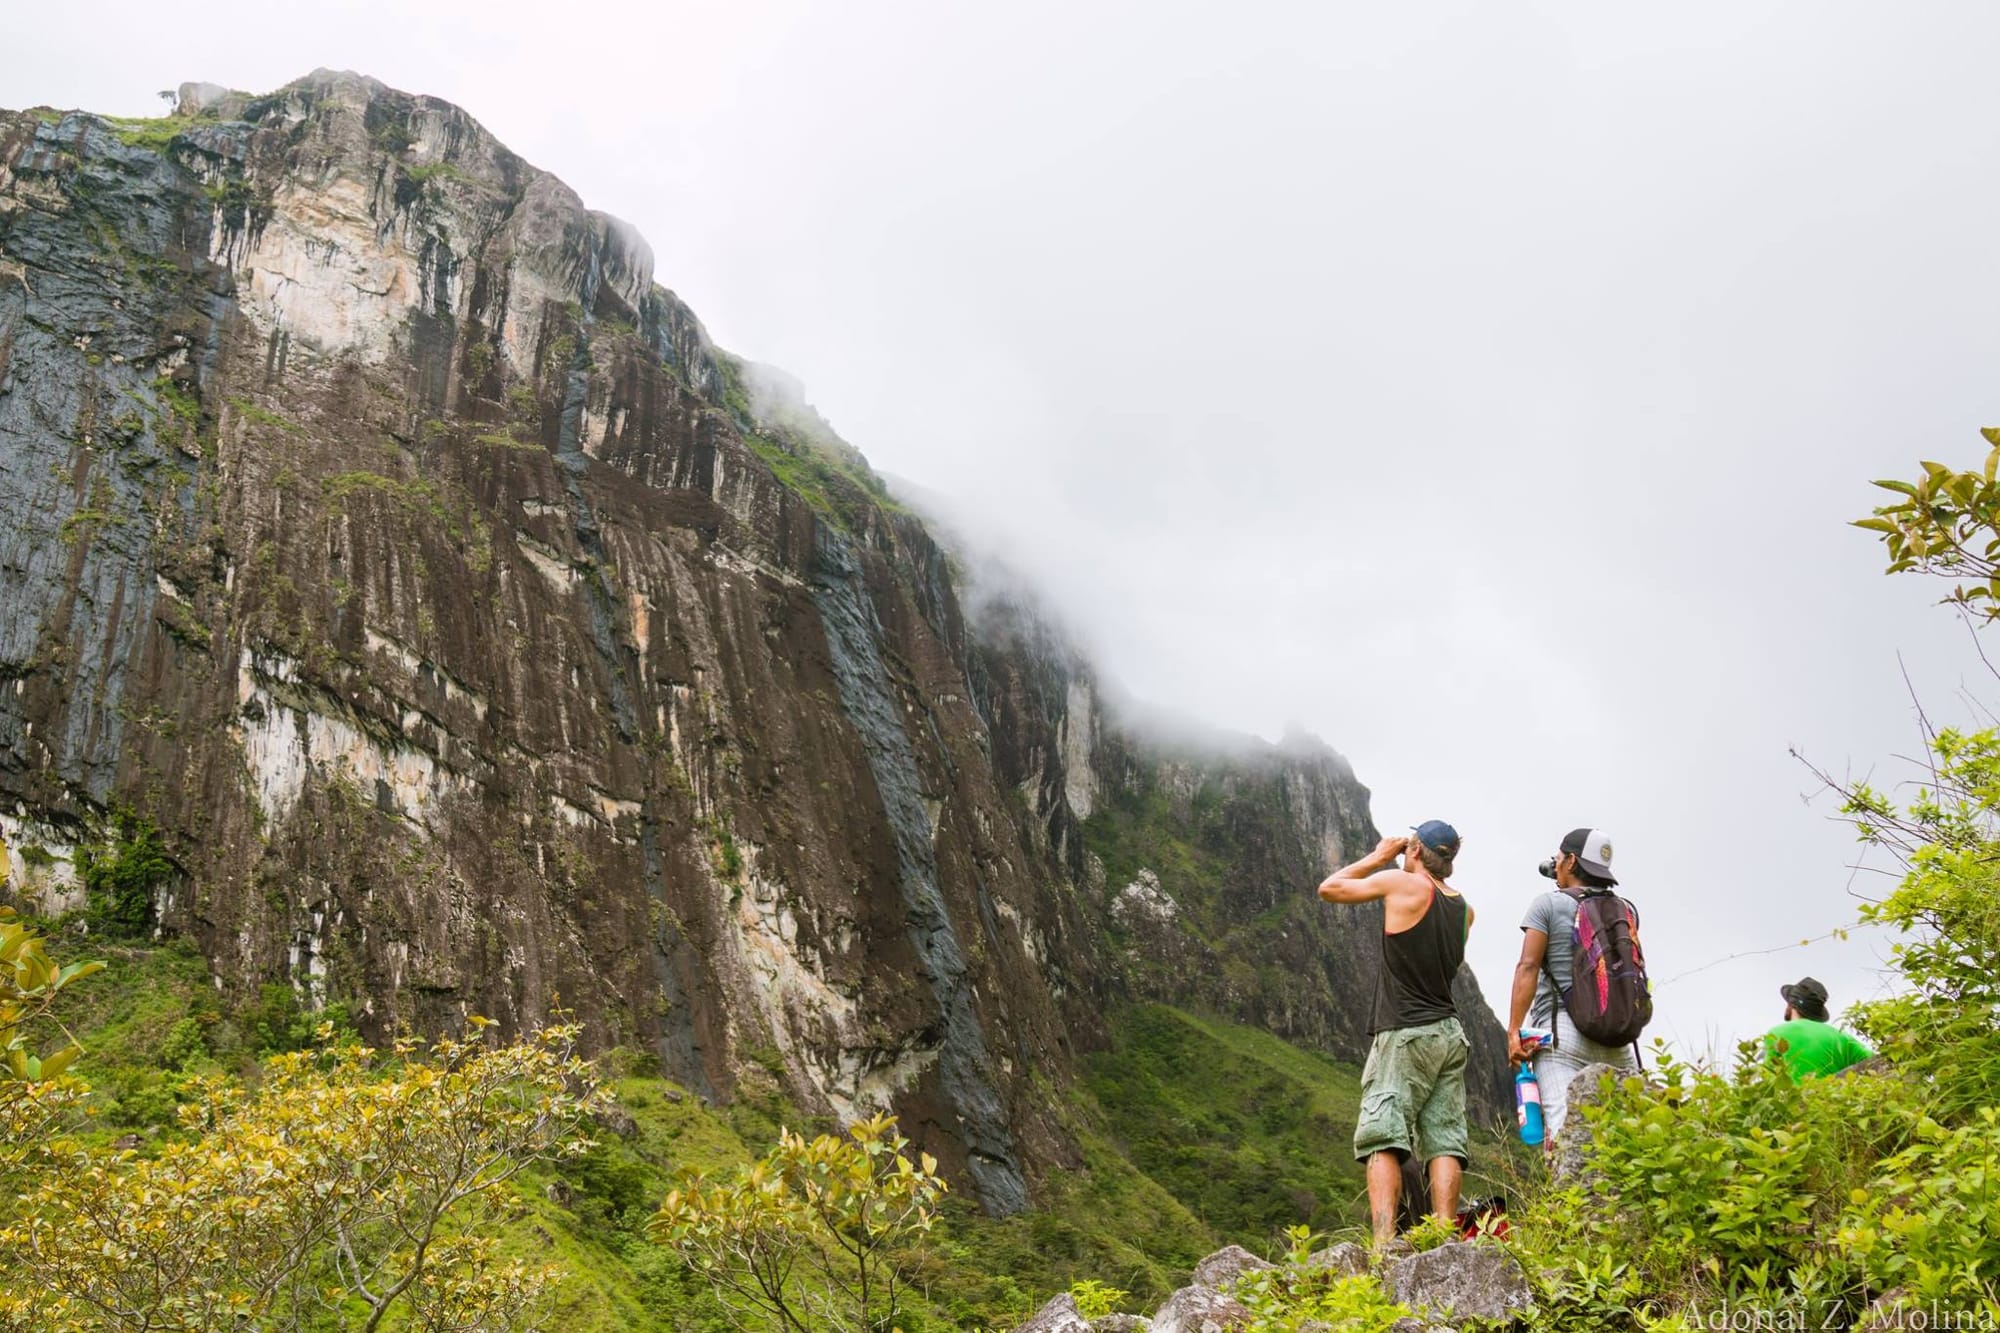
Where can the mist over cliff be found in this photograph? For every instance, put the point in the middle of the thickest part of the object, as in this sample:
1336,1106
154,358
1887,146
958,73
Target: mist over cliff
481,639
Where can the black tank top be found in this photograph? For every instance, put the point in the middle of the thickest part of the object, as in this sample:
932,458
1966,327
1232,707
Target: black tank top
1418,965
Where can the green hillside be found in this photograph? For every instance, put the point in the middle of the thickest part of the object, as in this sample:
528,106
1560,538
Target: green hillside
1194,1133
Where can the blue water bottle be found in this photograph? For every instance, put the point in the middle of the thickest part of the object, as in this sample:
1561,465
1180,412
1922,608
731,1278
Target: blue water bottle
1528,1103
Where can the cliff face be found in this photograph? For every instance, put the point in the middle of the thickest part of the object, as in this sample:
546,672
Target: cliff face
1195,854
482,639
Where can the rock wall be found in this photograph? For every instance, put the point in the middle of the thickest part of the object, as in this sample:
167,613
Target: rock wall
1196,854
482,643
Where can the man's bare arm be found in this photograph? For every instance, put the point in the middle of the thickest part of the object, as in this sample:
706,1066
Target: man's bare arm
1362,881
1534,948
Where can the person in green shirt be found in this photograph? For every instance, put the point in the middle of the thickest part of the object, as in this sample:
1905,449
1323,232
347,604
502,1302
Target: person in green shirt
1806,1043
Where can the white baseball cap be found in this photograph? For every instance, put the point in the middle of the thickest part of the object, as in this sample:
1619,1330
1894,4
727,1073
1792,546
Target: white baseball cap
1592,849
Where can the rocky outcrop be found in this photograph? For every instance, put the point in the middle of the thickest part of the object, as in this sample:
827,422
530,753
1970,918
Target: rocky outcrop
394,543
1569,1153
1197,1309
1345,1259
1226,1265
482,639
1060,1315
1462,1280
1478,1282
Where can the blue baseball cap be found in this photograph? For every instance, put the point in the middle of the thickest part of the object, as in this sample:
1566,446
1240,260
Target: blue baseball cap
1437,835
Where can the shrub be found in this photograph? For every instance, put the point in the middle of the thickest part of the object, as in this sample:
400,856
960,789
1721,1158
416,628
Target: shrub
346,1187
121,876
1929,1222
276,1022
1432,1232
1298,1295
1094,1300
185,1043
813,1237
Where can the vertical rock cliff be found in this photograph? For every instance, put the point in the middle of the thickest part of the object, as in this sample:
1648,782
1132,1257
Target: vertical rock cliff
482,640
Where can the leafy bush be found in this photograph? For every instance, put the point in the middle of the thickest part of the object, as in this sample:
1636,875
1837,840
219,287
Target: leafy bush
1298,1295
278,1023
186,1043
1094,1300
1430,1233
1946,1026
121,876
346,1187
1930,1221
812,1237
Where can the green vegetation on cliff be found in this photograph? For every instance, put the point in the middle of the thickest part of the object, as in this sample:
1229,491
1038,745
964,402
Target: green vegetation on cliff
1249,1132
1193,1133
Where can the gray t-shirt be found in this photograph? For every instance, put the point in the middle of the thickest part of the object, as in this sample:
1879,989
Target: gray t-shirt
1554,914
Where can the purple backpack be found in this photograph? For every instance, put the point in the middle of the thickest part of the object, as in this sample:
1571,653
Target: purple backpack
1608,998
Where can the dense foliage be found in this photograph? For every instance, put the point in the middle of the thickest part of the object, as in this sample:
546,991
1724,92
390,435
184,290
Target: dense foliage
1299,1296
122,874
345,1188
345,1183
814,1236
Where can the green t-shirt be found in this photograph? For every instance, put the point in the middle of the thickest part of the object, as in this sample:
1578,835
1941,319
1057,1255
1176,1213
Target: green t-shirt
1812,1049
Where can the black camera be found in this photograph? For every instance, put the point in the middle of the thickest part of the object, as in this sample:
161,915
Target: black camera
1548,868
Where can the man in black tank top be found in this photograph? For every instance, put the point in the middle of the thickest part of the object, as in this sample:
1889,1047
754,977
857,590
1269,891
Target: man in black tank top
1413,1087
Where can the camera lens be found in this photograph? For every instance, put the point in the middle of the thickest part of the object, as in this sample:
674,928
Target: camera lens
1547,868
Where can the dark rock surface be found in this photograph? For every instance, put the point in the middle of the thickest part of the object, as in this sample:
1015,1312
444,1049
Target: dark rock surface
1120,1323
482,638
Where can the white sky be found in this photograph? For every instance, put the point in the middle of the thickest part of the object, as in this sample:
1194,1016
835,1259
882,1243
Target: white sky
1484,387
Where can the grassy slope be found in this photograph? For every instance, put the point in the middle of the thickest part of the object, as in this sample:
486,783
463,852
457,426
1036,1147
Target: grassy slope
1250,1132
1194,1131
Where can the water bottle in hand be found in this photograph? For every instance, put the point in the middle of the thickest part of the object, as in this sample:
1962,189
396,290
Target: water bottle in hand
1528,1103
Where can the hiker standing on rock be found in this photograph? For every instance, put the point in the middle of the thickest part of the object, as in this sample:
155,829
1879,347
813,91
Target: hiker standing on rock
1546,974
1413,1086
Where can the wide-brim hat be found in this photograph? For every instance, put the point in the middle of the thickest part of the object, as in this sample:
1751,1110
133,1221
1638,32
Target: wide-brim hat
1807,996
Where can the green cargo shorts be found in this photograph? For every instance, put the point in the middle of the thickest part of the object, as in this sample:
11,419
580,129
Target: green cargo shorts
1413,1093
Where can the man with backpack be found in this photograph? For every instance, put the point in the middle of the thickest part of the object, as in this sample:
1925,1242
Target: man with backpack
1581,974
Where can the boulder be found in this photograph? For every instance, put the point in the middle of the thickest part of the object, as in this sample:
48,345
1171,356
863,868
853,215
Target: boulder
1346,1259
1409,1324
1462,1280
1225,1266
1060,1315
1587,1089
1120,1323
1389,1253
1200,1310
